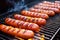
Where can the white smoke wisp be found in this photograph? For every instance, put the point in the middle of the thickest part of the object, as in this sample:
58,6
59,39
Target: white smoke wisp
17,5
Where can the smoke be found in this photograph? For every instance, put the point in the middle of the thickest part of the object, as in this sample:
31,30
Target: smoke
17,5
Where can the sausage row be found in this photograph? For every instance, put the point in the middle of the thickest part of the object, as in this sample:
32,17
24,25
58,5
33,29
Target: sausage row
38,21
22,24
34,14
22,33
47,8
52,6
48,12
56,3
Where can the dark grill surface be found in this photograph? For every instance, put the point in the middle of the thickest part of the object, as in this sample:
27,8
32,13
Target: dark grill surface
49,30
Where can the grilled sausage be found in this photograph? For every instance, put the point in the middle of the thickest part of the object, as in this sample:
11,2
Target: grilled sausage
47,5
51,3
22,33
22,24
47,2
34,14
38,21
52,6
57,2
48,12
48,8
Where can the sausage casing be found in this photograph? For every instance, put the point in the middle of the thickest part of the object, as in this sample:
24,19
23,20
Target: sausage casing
48,12
47,8
38,21
34,14
22,33
56,3
22,24
52,6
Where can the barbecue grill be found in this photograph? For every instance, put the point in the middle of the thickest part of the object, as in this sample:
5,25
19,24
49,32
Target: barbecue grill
50,30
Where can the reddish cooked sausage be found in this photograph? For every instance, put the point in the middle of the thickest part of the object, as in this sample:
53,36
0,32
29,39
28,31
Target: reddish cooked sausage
22,33
48,8
34,14
51,3
48,12
38,21
57,2
42,4
52,6
22,24
47,2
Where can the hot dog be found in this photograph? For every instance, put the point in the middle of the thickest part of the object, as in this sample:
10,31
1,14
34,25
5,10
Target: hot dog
47,5
51,3
34,14
48,8
57,2
22,24
38,21
22,33
48,12
47,2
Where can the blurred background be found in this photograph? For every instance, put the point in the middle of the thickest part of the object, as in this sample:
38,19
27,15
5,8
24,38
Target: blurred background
15,4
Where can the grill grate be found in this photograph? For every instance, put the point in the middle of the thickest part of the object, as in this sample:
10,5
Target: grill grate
49,30
4,36
52,26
